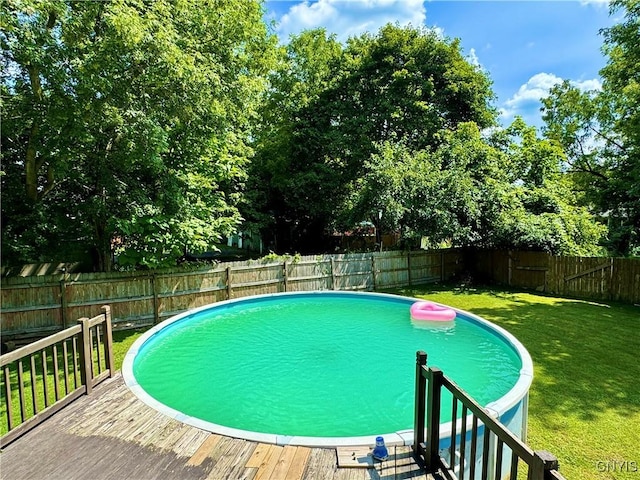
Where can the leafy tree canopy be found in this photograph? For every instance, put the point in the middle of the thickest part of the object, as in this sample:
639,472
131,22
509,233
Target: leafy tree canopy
600,132
126,124
403,83
505,190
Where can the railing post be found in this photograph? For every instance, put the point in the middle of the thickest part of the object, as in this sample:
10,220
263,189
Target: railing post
549,463
433,419
420,401
85,356
108,339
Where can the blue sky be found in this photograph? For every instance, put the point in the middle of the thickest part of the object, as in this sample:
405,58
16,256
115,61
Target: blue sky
524,46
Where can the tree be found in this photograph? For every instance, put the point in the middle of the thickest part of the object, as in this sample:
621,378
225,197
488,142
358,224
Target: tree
403,84
278,196
128,124
503,189
599,131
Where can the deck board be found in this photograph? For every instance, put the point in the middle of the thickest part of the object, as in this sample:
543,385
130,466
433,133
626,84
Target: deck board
111,434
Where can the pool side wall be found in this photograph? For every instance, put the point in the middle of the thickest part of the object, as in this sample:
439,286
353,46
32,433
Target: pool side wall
511,406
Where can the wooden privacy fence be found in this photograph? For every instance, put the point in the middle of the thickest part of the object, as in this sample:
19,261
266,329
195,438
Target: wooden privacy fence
36,306
598,278
499,455
41,378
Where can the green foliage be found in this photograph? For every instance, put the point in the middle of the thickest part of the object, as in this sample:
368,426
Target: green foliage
599,131
502,191
284,184
336,104
392,129
128,124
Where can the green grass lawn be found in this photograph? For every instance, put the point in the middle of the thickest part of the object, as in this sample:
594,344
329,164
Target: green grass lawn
585,397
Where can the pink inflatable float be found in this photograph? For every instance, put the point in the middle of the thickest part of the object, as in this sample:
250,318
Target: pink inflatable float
432,312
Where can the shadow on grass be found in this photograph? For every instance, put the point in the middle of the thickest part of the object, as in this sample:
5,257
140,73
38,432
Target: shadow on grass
584,353
122,341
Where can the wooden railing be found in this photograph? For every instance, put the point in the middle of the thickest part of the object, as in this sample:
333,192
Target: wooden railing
41,378
462,456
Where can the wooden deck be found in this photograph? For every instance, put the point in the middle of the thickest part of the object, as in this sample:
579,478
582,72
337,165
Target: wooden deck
111,434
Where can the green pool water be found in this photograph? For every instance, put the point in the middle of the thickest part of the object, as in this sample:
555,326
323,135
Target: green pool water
315,365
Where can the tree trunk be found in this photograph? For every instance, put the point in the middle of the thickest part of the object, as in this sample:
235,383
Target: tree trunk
102,258
32,163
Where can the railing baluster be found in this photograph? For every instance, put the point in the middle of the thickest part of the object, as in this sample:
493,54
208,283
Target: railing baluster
454,424
434,396
65,355
499,451
486,437
23,410
108,340
108,343
7,392
56,373
463,438
76,368
45,383
98,344
91,353
474,447
514,466
34,382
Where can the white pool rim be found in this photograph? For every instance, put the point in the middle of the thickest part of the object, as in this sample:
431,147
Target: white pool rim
513,398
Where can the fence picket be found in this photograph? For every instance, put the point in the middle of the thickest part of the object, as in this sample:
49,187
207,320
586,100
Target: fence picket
36,306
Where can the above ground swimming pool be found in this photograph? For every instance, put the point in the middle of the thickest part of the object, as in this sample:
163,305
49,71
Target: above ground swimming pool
318,368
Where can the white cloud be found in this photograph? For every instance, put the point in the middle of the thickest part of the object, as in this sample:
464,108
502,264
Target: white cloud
350,18
597,3
473,58
585,85
527,99
536,88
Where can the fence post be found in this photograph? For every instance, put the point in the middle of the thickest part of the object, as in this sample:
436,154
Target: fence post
63,300
85,356
373,271
409,267
333,274
420,400
284,275
156,300
433,419
610,292
228,283
108,345
509,267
